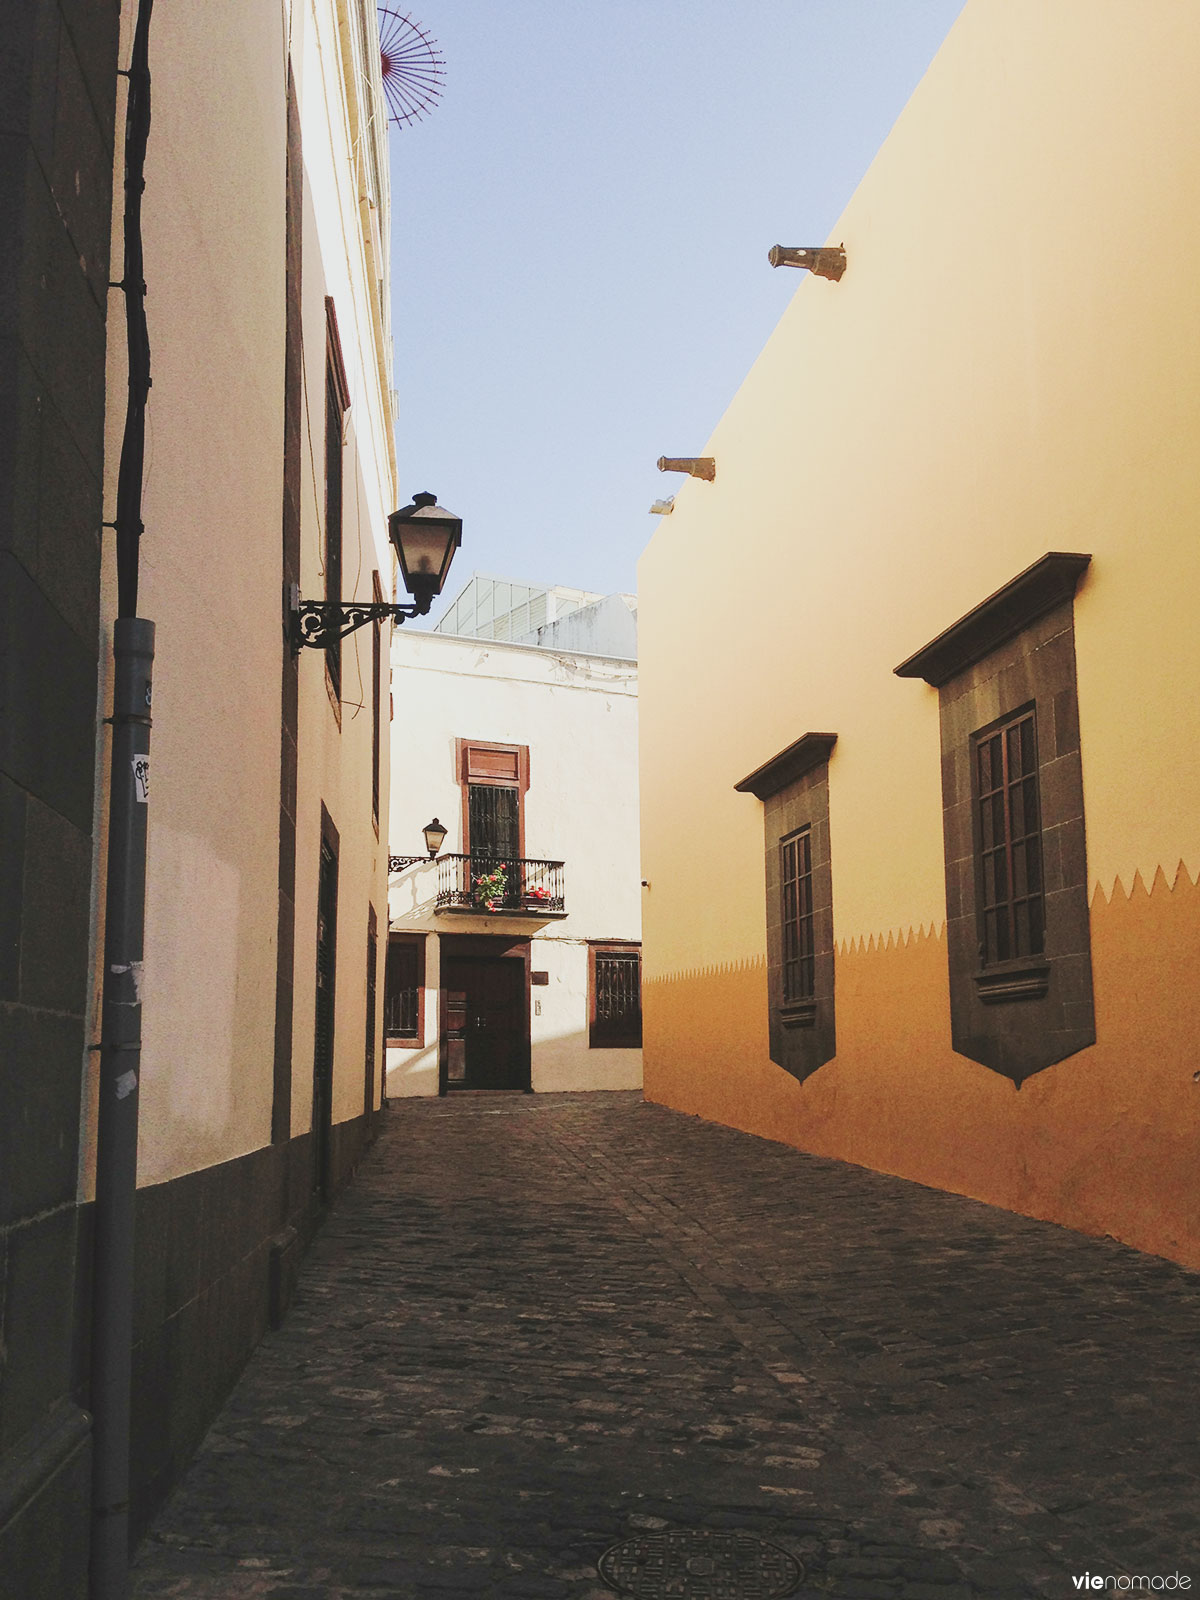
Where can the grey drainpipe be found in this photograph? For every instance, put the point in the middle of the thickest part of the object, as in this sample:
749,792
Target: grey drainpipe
117,1132
125,904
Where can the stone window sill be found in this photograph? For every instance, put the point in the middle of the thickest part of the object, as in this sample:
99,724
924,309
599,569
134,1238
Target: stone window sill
1013,980
800,1014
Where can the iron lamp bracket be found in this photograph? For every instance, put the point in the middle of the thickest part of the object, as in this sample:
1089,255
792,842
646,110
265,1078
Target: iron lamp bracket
320,623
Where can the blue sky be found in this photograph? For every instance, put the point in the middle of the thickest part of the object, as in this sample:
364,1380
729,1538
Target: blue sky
579,241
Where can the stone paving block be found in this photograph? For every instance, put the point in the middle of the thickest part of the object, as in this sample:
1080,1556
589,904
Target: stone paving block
935,1591
537,1325
863,1567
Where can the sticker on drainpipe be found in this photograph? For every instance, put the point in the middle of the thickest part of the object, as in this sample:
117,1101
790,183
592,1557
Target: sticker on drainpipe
141,779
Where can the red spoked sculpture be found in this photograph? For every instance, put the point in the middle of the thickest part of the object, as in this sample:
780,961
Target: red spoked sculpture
412,66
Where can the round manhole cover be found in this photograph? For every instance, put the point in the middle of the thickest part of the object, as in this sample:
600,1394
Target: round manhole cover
699,1565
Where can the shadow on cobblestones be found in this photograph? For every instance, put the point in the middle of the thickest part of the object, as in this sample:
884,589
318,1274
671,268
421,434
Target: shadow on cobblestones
535,1326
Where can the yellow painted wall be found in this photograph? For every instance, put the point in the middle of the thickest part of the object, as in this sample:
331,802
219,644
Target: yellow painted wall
1009,366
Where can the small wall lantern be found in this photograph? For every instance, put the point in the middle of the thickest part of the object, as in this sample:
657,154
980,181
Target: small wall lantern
826,261
435,834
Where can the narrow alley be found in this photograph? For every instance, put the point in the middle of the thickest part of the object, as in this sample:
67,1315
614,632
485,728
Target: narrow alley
538,1327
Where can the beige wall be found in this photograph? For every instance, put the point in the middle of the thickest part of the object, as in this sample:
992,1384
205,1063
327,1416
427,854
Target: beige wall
211,573
1008,367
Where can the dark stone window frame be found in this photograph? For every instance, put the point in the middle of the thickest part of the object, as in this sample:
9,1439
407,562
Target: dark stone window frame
794,789
1013,652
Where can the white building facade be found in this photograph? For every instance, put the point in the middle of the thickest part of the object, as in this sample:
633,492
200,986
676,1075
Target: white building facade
514,958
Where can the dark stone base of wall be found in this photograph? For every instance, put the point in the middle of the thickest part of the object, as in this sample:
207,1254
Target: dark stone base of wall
218,1254
45,1500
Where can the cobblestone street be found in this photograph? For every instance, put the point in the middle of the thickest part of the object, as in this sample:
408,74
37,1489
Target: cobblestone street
536,1326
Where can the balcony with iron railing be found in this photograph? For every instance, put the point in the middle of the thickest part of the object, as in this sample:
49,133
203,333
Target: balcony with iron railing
491,885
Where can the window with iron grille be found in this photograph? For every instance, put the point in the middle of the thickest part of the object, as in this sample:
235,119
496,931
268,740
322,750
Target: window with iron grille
494,779
796,890
1012,916
403,991
494,821
616,996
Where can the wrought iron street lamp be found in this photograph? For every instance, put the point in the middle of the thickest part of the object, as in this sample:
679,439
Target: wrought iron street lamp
426,536
435,833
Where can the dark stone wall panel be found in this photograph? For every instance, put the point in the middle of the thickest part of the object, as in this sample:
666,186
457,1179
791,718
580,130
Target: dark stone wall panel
349,1141
47,699
38,1151
12,877
83,145
38,1332
203,1290
58,83
45,1490
67,563
54,939
63,325
20,452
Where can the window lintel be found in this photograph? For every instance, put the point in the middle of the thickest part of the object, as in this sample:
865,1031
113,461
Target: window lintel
790,765
1051,579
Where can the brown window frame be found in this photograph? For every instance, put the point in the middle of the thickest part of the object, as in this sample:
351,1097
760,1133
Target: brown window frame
416,943
1009,852
472,773
617,1038
798,955
337,403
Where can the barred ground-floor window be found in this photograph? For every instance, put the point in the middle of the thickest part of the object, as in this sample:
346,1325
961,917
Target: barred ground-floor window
614,996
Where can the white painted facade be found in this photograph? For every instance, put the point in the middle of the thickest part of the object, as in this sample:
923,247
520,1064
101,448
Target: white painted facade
577,715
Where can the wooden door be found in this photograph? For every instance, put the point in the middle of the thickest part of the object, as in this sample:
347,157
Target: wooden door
485,1024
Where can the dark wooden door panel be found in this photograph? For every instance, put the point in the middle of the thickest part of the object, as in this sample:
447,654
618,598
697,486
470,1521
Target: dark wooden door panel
485,1039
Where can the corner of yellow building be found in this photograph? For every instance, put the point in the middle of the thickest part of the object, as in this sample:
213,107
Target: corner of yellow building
960,943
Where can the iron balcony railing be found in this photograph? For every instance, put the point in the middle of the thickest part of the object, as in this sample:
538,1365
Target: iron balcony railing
489,884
